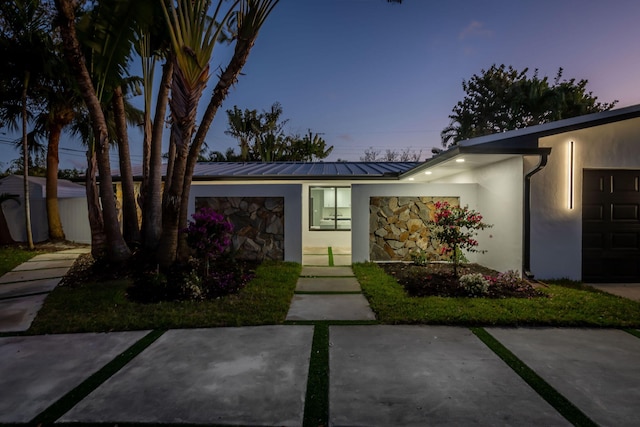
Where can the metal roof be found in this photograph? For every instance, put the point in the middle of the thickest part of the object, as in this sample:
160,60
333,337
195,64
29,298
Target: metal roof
295,170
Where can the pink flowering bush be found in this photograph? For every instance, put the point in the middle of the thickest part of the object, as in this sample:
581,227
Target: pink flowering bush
212,271
456,227
209,233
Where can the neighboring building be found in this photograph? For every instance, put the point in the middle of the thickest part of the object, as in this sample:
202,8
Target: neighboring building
72,203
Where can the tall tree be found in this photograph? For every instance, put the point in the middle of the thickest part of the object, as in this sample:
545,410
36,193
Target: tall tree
245,25
114,244
503,98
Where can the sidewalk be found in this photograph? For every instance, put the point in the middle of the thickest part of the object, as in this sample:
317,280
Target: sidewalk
24,289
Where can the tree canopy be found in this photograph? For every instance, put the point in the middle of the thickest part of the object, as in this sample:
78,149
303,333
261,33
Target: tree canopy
503,98
261,137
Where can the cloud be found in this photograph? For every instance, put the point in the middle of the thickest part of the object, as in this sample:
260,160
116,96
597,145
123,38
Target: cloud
475,29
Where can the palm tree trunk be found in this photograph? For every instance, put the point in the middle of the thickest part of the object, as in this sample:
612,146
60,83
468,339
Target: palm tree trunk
56,233
130,224
227,79
25,156
152,213
117,248
96,223
184,116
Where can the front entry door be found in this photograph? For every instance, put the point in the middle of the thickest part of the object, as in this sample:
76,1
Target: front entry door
611,226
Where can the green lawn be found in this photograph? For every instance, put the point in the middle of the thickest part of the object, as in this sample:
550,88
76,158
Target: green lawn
567,305
11,257
103,306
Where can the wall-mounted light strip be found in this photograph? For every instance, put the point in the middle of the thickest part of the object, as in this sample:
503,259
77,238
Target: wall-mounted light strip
571,164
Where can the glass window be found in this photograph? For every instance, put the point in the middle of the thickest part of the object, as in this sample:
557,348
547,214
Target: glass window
330,208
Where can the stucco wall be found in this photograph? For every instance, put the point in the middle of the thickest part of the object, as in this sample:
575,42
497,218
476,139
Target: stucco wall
292,194
500,201
361,193
557,229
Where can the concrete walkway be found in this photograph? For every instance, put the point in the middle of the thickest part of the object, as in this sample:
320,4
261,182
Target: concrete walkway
329,293
24,289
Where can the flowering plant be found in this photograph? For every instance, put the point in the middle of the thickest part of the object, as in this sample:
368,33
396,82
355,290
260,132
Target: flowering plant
209,233
456,228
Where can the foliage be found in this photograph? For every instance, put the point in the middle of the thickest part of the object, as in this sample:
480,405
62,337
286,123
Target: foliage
11,257
261,137
455,228
475,284
503,98
372,154
91,306
420,257
209,233
563,307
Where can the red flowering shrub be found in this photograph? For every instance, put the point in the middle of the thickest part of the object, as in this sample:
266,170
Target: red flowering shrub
456,228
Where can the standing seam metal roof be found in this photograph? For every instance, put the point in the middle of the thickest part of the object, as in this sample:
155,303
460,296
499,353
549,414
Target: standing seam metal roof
301,169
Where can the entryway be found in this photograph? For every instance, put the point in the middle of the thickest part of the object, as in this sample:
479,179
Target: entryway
611,226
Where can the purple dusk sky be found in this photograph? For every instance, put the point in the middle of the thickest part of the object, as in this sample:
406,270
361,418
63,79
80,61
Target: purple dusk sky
365,73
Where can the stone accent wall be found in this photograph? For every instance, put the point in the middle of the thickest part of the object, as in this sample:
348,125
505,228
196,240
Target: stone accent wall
398,226
258,224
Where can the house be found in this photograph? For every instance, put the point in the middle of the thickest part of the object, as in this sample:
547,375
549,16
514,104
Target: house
563,198
72,204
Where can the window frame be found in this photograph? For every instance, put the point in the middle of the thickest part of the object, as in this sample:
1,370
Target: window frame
335,207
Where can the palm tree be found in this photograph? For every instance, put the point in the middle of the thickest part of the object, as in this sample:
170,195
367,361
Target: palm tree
193,37
248,21
115,245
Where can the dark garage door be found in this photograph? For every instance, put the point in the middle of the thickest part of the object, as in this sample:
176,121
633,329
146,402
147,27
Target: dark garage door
610,226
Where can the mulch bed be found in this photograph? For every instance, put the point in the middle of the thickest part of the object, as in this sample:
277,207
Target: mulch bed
437,279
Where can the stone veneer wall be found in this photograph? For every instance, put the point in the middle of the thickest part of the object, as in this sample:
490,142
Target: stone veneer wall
258,224
398,226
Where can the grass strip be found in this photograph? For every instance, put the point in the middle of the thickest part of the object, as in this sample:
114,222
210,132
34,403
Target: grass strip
330,257
633,332
72,398
544,389
328,293
316,403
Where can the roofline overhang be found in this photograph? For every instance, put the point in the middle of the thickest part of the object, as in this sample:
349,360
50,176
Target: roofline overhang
459,150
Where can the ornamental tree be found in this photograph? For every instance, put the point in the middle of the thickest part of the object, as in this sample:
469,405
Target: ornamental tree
456,228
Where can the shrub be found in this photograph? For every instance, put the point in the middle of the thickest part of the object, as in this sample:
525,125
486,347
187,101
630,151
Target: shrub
455,228
475,284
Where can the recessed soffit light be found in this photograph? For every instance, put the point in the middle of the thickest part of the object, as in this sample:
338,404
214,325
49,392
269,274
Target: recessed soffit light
459,160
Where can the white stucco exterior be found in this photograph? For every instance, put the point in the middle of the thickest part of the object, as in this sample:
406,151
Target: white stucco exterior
499,192
556,229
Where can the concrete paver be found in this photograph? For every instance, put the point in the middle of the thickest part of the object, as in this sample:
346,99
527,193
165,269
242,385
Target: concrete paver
238,376
16,314
28,287
626,290
55,256
425,375
328,284
39,265
37,371
597,370
319,260
342,260
19,276
330,307
309,271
